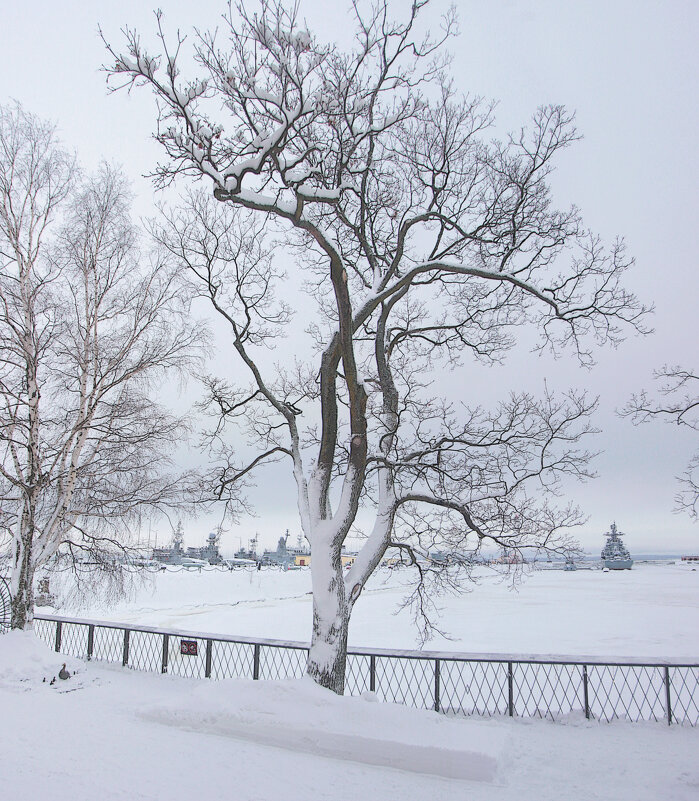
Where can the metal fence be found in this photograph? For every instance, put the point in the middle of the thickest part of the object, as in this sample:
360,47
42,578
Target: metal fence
454,684
5,606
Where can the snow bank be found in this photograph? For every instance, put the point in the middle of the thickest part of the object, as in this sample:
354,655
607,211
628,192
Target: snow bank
300,716
276,740
26,662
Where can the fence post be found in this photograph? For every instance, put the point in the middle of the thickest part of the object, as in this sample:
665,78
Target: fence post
668,705
59,633
125,654
207,668
90,641
510,691
372,673
166,641
256,661
585,692
436,685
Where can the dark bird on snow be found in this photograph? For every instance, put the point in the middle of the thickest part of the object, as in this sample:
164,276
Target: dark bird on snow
63,673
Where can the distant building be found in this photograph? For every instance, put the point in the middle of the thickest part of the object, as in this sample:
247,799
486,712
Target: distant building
304,559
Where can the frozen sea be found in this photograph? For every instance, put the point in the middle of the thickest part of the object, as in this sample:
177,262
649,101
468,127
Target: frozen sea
650,611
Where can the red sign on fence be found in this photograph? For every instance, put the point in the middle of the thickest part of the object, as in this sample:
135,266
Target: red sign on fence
188,647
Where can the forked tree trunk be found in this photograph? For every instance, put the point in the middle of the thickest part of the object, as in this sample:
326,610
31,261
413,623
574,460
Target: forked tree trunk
328,653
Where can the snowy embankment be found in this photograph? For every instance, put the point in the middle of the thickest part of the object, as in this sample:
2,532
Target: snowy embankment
650,611
301,716
112,733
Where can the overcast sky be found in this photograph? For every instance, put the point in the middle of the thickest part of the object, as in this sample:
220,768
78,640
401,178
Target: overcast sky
629,70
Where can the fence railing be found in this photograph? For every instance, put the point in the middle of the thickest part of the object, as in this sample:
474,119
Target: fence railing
455,684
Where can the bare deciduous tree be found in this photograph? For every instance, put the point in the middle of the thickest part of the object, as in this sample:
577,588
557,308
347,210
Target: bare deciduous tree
679,404
421,243
87,323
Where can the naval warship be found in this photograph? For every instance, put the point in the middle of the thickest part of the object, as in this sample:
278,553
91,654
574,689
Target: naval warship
614,555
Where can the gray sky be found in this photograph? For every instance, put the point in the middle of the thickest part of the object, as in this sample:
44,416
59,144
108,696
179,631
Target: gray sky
628,68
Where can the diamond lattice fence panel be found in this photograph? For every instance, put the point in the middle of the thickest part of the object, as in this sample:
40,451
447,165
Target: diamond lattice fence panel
145,651
45,630
547,690
74,639
632,692
282,663
403,680
232,660
357,674
473,688
684,695
187,664
108,644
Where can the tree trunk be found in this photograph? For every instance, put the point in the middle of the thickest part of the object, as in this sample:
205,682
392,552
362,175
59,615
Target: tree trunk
22,588
328,654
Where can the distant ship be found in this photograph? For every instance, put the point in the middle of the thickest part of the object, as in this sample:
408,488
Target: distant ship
194,557
614,555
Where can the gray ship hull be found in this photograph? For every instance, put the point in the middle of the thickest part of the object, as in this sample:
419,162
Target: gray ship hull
618,564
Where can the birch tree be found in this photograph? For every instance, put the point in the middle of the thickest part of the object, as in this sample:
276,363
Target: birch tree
422,243
87,324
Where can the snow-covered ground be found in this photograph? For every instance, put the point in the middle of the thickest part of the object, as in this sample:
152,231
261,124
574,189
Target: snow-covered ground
118,734
650,611
115,734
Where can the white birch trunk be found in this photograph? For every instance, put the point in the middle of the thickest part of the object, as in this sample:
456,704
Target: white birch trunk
22,576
